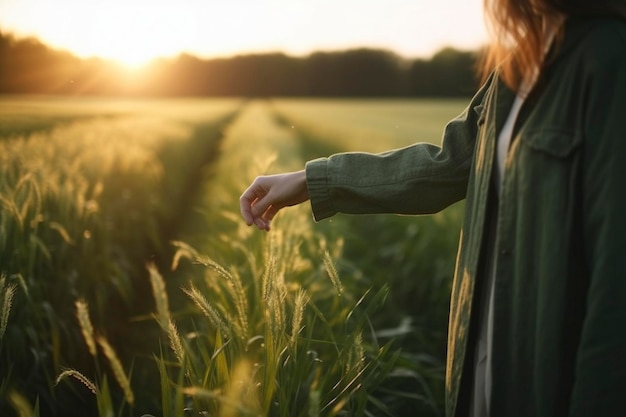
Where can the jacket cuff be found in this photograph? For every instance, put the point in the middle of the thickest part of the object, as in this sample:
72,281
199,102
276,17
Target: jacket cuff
317,185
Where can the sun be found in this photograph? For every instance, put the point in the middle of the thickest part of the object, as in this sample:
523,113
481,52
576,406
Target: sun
134,57
133,35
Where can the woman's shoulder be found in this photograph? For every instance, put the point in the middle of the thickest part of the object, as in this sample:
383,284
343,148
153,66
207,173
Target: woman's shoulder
597,31
595,40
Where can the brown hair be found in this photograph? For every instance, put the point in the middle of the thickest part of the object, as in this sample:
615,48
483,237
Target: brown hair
520,30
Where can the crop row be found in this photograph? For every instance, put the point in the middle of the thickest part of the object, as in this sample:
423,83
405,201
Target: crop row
132,287
84,202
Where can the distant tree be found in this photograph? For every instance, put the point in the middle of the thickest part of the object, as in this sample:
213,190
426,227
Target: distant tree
359,72
450,72
28,66
183,76
256,75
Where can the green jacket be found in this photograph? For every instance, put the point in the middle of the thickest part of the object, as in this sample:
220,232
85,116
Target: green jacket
559,339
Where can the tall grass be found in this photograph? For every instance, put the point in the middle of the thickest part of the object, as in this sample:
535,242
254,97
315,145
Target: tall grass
209,316
413,256
99,389
293,351
272,332
84,203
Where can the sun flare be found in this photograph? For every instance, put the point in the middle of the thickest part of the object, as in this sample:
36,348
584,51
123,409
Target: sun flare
134,35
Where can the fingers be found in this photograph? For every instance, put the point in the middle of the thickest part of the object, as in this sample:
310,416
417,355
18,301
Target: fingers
254,206
250,198
246,201
264,220
262,224
267,195
263,214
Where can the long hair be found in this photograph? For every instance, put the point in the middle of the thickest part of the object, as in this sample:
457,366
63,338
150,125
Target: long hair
520,31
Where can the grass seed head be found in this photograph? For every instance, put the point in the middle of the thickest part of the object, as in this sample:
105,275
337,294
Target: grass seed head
298,313
160,296
7,302
82,313
175,342
118,369
72,373
207,309
332,273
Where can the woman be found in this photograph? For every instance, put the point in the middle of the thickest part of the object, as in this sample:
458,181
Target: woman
538,312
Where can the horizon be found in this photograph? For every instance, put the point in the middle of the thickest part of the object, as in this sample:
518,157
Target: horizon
136,32
18,38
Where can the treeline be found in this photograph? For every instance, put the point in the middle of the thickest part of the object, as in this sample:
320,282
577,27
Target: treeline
29,67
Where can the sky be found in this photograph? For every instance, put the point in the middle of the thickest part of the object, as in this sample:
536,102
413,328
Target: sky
135,31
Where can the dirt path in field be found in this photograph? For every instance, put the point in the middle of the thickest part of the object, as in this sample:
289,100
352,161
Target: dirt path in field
253,144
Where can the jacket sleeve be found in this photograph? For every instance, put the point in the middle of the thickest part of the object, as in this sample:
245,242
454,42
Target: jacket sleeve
600,374
418,179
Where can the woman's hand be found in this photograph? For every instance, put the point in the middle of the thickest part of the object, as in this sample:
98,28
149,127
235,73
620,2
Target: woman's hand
268,194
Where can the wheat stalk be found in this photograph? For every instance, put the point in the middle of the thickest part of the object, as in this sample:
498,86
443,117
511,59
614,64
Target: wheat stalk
78,376
266,282
160,296
175,342
273,294
235,290
118,369
357,355
207,309
241,304
62,232
298,312
184,251
9,293
82,313
277,309
206,261
332,273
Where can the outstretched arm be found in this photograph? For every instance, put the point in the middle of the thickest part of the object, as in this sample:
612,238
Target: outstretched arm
269,194
417,179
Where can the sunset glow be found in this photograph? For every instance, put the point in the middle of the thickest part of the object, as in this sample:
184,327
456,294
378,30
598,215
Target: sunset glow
136,31
134,35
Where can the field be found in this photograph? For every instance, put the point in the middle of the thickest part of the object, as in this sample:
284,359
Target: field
130,286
